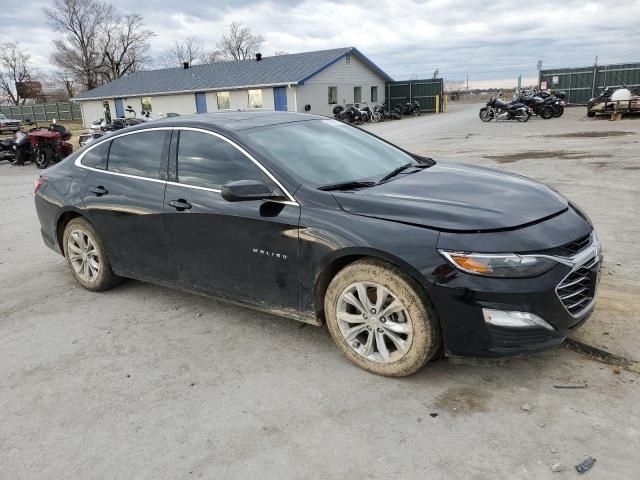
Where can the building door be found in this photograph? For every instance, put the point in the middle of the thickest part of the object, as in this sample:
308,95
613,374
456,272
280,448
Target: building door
280,98
106,110
201,103
119,107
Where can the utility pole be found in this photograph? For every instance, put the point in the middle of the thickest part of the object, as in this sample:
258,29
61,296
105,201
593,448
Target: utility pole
467,83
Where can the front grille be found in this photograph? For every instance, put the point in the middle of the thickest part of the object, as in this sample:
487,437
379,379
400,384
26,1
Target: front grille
577,290
571,248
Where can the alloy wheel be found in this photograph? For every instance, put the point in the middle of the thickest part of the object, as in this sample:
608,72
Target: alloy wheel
83,255
374,322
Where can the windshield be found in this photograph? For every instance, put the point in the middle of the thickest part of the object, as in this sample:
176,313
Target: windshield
325,152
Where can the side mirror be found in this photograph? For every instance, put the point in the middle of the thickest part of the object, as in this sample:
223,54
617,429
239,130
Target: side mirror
243,190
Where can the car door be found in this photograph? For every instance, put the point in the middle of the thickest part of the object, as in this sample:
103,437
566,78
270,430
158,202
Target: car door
124,195
245,250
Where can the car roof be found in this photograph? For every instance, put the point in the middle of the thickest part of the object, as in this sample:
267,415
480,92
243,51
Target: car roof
232,120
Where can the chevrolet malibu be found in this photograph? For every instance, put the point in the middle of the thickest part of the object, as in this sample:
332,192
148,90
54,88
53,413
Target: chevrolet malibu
401,257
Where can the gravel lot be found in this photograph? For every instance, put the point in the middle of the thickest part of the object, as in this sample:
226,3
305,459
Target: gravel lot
143,382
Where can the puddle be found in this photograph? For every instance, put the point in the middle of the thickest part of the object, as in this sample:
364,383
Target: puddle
544,154
598,134
461,400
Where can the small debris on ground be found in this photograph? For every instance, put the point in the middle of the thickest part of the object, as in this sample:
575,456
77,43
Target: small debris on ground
434,415
198,314
193,384
556,467
419,419
526,407
571,385
616,371
553,450
585,465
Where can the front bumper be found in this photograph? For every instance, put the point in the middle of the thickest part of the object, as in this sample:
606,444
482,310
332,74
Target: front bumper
460,300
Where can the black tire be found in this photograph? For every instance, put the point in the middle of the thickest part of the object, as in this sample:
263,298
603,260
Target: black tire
558,110
591,114
41,159
337,109
546,113
485,114
523,118
422,319
415,112
105,278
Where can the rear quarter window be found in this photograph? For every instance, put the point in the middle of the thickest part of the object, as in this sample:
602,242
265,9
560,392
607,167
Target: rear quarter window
140,154
97,156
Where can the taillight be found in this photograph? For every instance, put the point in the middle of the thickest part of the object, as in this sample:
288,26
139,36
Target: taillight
38,183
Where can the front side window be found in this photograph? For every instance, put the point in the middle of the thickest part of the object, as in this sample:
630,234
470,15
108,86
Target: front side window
208,161
146,104
333,95
255,98
324,152
357,94
138,154
97,156
223,100
374,94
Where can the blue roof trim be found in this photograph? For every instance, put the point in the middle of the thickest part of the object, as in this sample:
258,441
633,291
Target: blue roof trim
360,55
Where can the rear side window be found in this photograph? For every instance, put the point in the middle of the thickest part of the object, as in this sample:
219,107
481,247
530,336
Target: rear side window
208,161
97,156
139,154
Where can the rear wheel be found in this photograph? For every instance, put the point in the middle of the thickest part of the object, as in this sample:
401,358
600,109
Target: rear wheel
591,114
415,112
522,115
558,110
380,319
546,113
86,256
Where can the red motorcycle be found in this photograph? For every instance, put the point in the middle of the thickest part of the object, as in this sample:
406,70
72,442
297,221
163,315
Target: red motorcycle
49,145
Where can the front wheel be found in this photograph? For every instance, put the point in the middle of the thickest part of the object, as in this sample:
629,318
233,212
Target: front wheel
415,112
486,115
381,319
377,117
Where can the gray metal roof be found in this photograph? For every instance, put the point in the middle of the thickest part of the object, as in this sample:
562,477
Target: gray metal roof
276,70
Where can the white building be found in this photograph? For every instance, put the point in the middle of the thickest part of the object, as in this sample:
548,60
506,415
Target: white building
311,82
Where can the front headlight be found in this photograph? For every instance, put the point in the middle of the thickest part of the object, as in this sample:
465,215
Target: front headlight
508,265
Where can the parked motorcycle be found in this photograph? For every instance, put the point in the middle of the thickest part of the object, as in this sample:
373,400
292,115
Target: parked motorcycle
378,114
16,149
537,105
350,114
409,108
49,145
499,110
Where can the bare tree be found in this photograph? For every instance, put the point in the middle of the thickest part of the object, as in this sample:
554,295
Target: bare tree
239,43
125,44
15,67
97,43
79,51
214,56
63,80
189,50
280,52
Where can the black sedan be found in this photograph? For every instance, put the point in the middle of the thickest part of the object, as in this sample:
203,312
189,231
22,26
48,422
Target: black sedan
403,258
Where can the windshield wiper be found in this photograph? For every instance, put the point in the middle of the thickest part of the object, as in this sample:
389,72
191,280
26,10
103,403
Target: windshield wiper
347,185
400,169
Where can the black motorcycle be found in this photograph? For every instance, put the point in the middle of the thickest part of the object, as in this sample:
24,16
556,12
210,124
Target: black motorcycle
409,108
499,110
537,105
16,149
350,114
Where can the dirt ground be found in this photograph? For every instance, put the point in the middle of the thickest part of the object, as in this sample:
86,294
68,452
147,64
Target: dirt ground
143,382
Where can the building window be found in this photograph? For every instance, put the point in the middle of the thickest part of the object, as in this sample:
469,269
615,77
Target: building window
374,94
333,95
146,104
223,100
357,94
347,59
255,98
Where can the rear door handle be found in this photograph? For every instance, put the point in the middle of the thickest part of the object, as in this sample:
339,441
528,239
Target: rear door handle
180,204
99,190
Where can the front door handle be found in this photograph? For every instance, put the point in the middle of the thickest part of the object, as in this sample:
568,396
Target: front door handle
99,190
180,204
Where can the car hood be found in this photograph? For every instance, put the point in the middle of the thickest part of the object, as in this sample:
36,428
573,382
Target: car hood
456,197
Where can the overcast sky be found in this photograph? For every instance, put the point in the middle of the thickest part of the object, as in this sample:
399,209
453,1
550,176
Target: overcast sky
486,39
